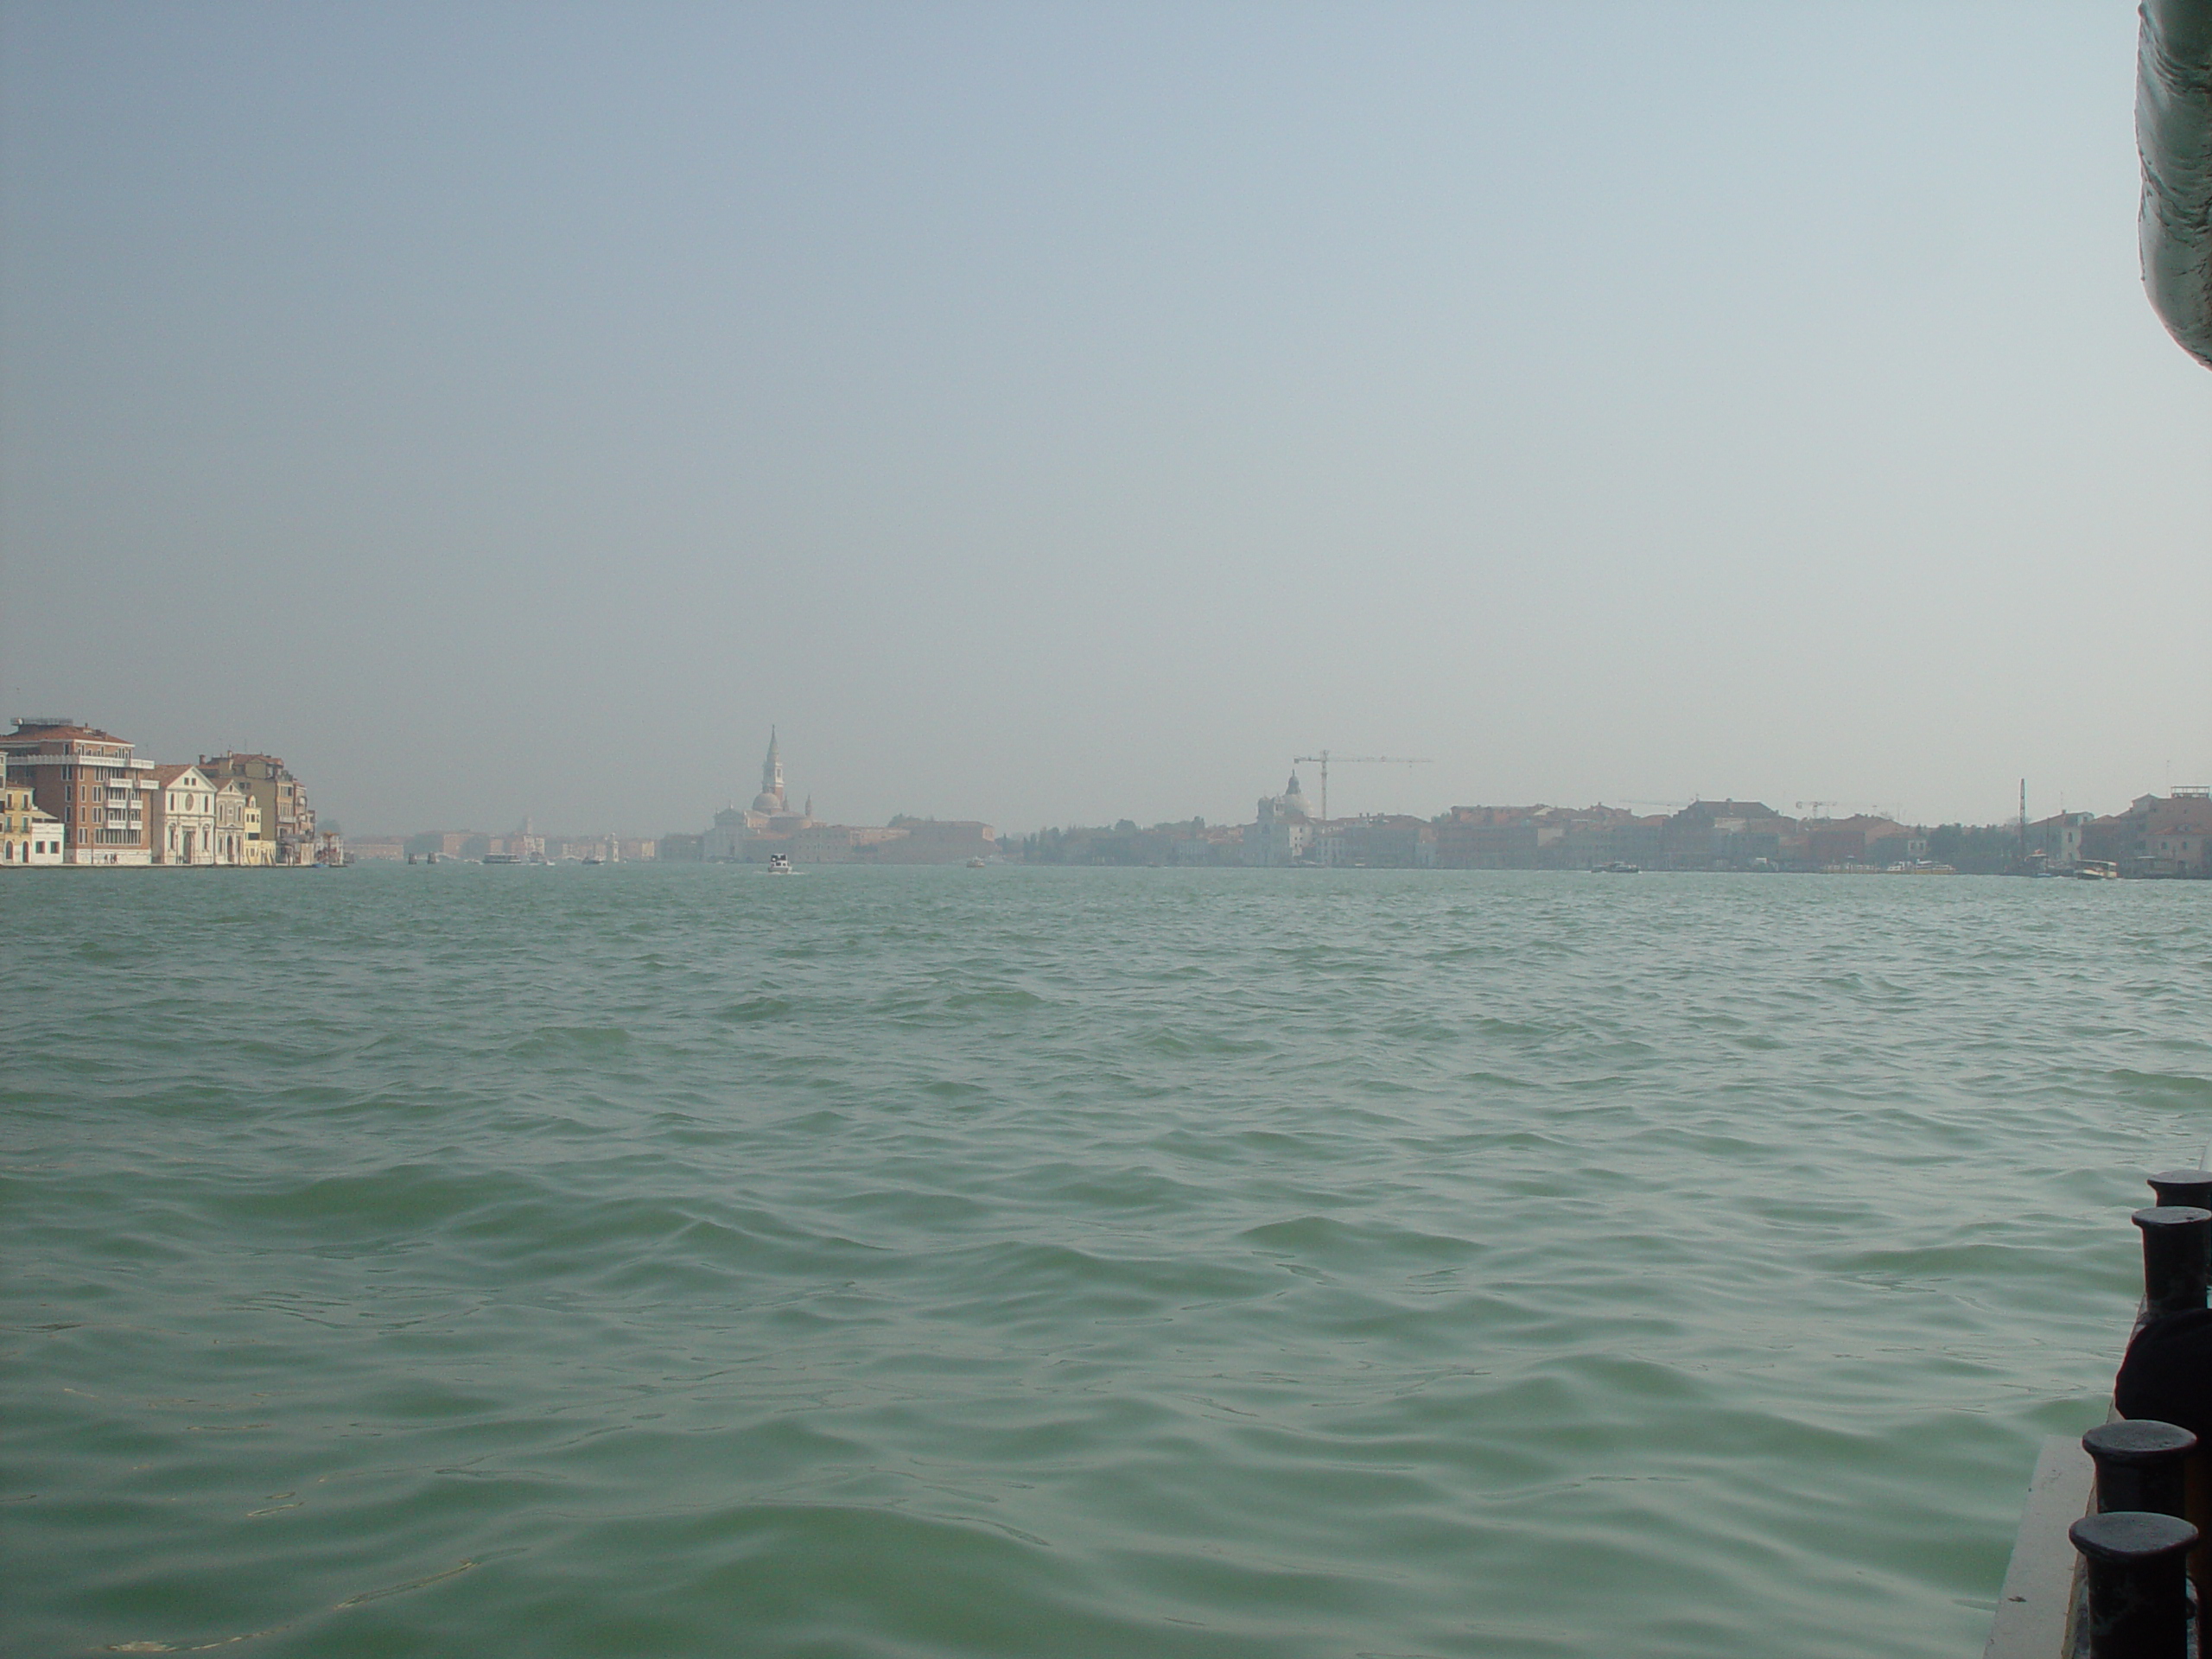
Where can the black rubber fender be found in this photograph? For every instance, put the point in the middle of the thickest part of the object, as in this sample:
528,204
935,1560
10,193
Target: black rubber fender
2173,130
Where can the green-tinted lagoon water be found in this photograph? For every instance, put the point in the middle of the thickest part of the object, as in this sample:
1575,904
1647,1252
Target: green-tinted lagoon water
1209,1265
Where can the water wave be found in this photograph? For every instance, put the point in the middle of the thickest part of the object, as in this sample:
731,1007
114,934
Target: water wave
1200,1263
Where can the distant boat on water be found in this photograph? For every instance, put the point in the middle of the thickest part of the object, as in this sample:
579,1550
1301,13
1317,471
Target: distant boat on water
780,865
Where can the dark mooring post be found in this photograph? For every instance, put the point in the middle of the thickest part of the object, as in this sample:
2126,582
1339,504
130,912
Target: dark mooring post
2189,1187
2138,1591
2176,1256
2141,1464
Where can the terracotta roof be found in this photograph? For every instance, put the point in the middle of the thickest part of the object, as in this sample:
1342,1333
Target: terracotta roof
168,775
52,734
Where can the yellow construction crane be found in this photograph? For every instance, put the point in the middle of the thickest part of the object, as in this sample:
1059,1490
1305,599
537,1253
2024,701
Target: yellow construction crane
1325,759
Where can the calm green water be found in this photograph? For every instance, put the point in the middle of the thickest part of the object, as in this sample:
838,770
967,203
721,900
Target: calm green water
1037,1263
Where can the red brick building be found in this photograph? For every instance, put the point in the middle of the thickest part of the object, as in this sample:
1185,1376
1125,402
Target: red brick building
91,781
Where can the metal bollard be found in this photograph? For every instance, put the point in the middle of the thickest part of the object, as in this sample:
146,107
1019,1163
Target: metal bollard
2177,1255
2138,1593
2190,1187
2141,1464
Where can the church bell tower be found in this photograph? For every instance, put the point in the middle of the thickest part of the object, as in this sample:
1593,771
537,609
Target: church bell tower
771,797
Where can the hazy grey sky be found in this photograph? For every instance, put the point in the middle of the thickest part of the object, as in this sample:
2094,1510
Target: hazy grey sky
1053,413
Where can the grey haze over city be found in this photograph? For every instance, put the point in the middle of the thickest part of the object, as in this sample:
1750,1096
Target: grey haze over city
1049,415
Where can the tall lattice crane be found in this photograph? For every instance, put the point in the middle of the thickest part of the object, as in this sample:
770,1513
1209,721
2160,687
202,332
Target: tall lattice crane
1325,758
1872,809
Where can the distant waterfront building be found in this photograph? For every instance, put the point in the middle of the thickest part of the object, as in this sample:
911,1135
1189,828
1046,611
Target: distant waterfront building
1730,835
180,815
840,843
1282,829
442,843
605,849
238,823
925,841
91,781
2058,838
2168,835
260,846
1389,841
1862,840
28,836
286,834
725,838
523,843
735,833
754,834
1546,838
1492,837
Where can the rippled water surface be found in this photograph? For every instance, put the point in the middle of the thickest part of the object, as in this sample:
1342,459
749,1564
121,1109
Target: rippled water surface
680,1261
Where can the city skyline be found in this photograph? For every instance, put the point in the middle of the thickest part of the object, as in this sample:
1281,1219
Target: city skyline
771,801
773,812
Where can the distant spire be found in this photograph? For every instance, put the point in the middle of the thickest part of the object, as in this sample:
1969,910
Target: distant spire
771,769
